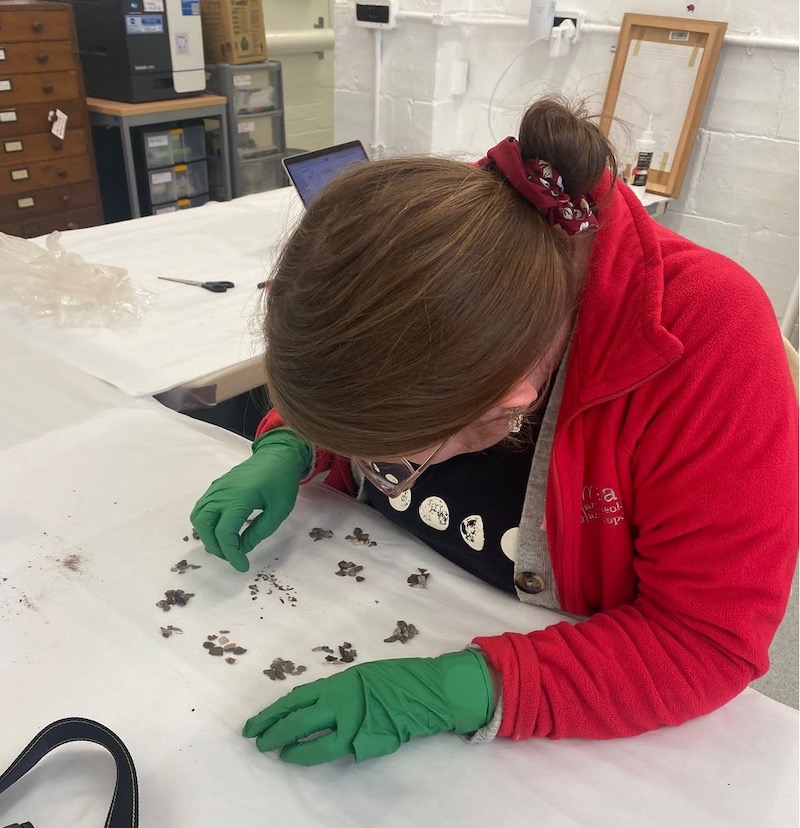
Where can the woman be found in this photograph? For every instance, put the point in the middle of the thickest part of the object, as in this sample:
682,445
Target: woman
424,310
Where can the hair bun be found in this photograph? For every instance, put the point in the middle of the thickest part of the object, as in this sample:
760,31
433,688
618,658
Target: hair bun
560,132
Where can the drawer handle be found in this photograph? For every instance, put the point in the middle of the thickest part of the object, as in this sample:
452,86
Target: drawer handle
48,88
66,199
71,225
58,146
42,58
37,27
62,173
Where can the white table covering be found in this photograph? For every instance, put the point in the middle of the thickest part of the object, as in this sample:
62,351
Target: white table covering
188,332
114,489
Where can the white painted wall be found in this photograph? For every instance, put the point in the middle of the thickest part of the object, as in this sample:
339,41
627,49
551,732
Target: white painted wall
740,195
307,78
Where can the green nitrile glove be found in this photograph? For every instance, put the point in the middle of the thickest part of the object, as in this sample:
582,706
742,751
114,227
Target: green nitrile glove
371,709
268,480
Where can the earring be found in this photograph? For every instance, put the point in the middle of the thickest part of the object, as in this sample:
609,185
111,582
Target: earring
515,420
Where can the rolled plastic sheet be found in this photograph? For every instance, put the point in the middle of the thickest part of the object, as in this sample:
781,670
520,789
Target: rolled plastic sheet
298,41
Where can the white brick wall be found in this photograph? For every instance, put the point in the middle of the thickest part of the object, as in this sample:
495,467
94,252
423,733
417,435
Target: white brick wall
307,79
740,195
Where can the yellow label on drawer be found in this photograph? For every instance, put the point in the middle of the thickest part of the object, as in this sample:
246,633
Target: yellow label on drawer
178,131
22,203
13,146
19,175
180,168
183,202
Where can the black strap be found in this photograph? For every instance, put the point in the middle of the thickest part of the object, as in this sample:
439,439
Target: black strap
124,810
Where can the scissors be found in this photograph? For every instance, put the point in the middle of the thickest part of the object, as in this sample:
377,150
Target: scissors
214,287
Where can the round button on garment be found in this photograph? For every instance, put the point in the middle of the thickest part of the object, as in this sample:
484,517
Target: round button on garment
529,582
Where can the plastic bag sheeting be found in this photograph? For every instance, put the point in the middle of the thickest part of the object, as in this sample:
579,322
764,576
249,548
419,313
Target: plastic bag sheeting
54,282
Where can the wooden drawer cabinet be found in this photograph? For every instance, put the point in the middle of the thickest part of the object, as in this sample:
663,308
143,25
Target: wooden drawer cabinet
39,225
46,86
47,182
39,147
47,57
28,119
45,202
33,22
41,175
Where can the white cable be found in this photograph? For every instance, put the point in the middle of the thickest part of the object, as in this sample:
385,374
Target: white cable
377,147
752,40
502,75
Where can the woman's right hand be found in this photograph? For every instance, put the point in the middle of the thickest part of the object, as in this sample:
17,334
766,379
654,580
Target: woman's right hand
268,480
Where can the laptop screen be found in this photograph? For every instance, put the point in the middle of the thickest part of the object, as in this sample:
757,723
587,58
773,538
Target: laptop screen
311,171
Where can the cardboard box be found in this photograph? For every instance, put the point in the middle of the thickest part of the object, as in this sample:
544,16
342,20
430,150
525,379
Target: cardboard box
233,31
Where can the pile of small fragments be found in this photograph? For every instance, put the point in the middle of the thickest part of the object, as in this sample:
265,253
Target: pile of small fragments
218,645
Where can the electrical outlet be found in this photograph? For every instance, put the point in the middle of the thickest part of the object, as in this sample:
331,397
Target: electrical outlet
576,17
378,15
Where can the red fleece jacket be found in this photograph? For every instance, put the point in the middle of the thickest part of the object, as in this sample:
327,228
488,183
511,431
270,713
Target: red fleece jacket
671,509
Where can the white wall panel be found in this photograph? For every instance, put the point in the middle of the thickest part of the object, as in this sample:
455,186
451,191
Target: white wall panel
740,195
308,80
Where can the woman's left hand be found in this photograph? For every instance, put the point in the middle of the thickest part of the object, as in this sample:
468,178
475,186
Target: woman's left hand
371,709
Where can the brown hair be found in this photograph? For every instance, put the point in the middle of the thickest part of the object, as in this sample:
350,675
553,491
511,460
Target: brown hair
417,291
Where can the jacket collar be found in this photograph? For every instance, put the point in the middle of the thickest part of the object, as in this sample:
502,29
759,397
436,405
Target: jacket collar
619,340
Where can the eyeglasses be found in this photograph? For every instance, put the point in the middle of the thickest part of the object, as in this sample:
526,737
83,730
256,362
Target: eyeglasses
395,477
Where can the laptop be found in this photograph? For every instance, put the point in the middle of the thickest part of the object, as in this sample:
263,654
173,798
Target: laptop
311,171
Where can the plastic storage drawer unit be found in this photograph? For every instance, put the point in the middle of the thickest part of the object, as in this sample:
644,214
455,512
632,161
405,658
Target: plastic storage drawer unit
180,181
167,147
255,124
259,176
181,204
253,88
258,136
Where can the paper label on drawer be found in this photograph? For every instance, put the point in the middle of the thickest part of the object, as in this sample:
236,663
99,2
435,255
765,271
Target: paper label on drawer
2,54
242,80
19,175
5,85
22,203
246,126
158,140
161,177
13,146
59,123
161,210
153,6
7,116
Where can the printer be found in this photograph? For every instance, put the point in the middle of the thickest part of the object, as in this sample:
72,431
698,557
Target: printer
140,50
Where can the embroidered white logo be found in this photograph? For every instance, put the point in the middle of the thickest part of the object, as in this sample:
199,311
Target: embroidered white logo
601,503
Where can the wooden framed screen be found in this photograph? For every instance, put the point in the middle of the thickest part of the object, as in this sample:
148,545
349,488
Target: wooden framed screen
663,67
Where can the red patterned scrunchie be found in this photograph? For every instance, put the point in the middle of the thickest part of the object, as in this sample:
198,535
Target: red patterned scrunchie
541,185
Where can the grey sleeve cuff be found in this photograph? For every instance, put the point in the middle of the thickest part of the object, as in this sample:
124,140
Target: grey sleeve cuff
489,731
